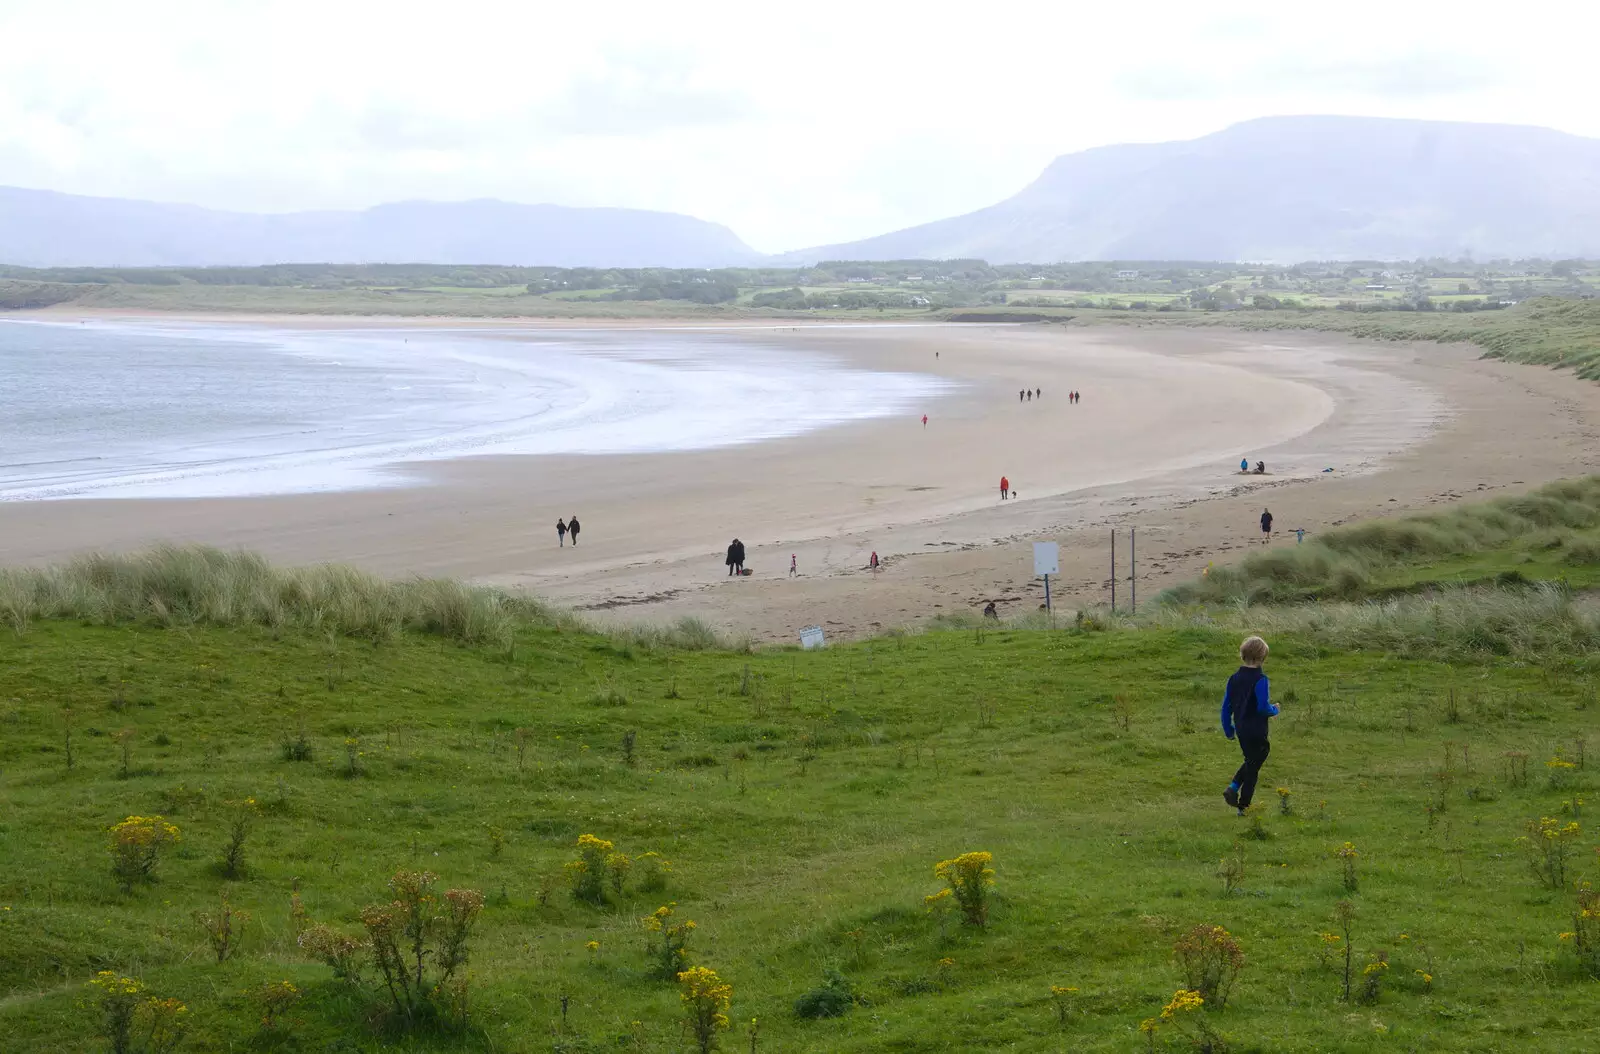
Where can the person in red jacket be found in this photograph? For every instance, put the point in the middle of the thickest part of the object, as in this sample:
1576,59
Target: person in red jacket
1005,488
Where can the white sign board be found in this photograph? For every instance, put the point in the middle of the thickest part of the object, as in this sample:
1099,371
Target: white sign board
811,637
1046,559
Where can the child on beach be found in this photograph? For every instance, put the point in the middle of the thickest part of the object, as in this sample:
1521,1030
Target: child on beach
794,565
1246,709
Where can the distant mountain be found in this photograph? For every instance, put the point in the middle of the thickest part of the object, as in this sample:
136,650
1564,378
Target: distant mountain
1286,189
40,228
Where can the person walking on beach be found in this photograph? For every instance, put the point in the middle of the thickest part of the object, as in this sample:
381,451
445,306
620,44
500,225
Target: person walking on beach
1020,395
1246,708
872,562
794,566
561,532
1266,526
1005,488
572,528
736,557
924,420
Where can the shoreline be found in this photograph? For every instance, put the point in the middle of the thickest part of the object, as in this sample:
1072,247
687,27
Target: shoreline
1389,417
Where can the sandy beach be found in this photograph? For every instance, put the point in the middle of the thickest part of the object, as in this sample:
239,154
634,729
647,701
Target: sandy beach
1154,445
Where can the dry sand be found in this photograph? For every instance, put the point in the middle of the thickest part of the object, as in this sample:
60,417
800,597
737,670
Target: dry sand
1154,445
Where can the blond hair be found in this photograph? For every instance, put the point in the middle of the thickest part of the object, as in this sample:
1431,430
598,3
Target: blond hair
1253,652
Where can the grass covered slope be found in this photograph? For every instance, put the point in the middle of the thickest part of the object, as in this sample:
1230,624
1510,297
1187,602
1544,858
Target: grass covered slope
1551,534
802,800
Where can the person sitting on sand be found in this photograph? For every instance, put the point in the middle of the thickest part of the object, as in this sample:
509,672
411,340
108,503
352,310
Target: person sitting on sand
990,611
1261,468
572,528
561,531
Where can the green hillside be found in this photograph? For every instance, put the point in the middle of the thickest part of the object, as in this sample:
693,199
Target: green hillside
802,800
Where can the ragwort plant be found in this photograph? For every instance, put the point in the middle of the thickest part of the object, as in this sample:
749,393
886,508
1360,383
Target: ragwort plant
1348,855
339,951
136,845
1549,845
134,1022
276,999
1372,976
222,928
1585,933
419,945
667,947
969,879
1185,1014
706,1000
588,873
1210,959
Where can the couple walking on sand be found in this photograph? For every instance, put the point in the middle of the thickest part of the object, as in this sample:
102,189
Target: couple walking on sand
566,527
735,560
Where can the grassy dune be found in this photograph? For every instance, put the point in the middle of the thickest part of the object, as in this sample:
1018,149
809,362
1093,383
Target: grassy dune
802,799
1550,534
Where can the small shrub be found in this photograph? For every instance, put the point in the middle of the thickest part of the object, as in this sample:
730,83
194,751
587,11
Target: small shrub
1344,914
276,999
617,867
1549,845
296,747
653,871
119,1002
969,879
1231,870
352,757
588,873
339,951
132,1021
243,815
222,928
1560,770
136,845
668,945
1284,807
1210,959
497,841
1372,976
1185,1014
1585,934
706,1000
1348,855
417,929
834,998
124,738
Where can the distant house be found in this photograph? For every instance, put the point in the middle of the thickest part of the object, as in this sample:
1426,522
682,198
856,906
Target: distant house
857,279
1376,285
920,301
913,278
1127,274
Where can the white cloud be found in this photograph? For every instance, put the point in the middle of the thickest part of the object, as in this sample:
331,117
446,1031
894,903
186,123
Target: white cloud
794,125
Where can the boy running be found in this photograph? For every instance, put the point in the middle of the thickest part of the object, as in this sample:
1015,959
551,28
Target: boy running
1246,708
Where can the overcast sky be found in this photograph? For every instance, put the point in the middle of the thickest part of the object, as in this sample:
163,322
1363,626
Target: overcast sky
794,124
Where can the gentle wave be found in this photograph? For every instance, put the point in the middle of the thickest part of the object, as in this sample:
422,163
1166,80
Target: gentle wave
167,410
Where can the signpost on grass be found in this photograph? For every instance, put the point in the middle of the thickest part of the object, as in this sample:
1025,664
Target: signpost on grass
811,637
1046,562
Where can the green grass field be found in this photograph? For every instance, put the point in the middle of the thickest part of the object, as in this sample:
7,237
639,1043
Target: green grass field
802,799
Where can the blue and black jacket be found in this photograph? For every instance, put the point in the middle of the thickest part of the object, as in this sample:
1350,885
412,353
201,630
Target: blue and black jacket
1246,705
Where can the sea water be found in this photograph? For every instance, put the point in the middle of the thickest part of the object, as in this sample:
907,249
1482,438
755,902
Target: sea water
101,409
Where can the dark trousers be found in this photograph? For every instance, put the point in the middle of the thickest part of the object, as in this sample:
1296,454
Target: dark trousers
1256,749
